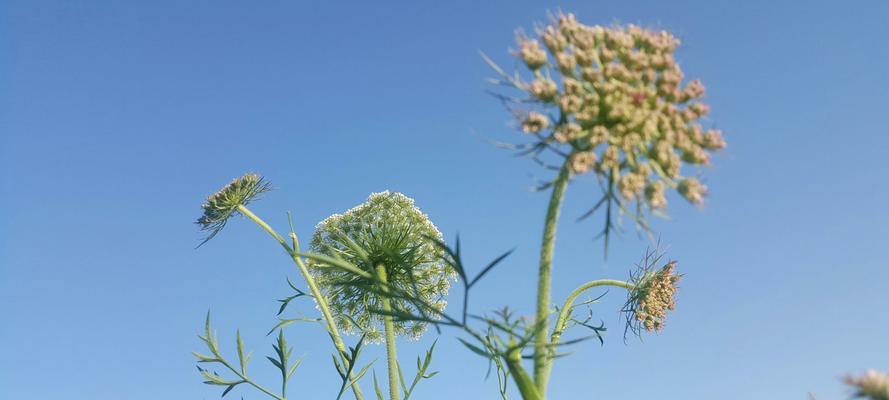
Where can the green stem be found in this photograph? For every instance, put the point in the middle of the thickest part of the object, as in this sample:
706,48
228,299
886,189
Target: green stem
313,288
250,381
389,326
565,311
524,381
541,350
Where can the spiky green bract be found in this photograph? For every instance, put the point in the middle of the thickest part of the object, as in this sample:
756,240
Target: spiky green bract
220,206
387,230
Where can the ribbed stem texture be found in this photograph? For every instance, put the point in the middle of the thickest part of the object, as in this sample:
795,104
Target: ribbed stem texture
541,341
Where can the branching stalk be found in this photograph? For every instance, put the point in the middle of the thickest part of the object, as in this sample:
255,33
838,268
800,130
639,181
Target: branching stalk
250,381
316,293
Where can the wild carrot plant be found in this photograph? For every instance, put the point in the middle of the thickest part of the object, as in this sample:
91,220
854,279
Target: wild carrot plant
607,102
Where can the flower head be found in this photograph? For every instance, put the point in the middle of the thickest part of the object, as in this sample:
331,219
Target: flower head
534,122
389,231
872,385
651,297
619,94
693,190
532,54
220,206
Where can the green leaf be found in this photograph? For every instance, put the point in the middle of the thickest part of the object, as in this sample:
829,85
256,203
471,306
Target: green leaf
214,379
401,379
422,366
230,387
491,265
475,349
203,358
428,359
243,358
377,387
275,362
293,367
348,383
282,322
284,302
339,367
454,261
209,338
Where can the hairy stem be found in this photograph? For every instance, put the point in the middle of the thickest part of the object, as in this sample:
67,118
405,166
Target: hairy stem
565,311
524,381
313,288
541,350
389,327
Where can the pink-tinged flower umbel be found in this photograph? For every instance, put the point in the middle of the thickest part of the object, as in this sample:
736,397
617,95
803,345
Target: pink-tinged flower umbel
652,296
616,104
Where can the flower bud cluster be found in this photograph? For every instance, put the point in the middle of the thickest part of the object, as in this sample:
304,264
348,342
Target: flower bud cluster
653,296
623,108
222,205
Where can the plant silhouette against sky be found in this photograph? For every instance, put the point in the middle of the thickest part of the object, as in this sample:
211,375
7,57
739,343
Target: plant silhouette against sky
609,102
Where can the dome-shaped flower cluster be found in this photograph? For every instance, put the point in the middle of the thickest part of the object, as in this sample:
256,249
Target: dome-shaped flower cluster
387,230
614,101
652,297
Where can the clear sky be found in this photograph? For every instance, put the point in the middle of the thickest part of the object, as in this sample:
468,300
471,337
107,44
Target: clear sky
117,119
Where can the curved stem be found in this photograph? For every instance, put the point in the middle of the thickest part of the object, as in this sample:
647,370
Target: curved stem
541,349
313,288
389,327
565,311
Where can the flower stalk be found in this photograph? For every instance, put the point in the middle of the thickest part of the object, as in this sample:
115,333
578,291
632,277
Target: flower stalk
541,350
389,328
313,288
565,311
395,268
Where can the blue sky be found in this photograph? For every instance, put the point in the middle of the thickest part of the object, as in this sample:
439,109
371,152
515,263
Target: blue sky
118,118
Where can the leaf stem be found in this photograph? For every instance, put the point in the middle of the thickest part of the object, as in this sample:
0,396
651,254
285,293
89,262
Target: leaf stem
250,381
316,293
541,348
389,327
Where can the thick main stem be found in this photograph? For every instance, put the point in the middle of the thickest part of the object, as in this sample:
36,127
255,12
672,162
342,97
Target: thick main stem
389,327
541,349
313,288
523,381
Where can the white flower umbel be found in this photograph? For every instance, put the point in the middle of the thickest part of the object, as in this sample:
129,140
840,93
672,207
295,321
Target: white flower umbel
400,271
389,231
